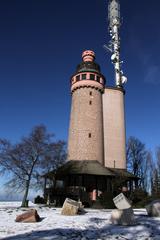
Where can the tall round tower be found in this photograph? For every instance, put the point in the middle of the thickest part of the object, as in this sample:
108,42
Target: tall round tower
86,129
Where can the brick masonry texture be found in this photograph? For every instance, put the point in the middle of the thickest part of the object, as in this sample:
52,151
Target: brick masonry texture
114,128
86,126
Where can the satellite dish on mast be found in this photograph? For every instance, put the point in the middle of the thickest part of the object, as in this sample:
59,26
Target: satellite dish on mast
114,58
124,79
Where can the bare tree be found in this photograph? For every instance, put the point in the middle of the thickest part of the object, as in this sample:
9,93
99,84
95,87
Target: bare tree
156,175
55,156
158,158
30,158
137,159
149,168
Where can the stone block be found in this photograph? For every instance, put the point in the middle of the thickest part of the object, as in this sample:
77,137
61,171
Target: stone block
153,209
30,216
70,207
123,217
121,202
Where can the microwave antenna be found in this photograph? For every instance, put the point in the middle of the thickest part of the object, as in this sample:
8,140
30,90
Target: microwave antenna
114,20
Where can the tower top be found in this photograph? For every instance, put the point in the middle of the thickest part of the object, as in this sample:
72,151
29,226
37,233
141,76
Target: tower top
114,13
115,43
88,74
88,56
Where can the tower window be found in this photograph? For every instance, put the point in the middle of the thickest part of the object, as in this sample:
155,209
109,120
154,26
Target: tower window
90,93
78,78
89,135
98,79
90,102
92,77
114,163
83,76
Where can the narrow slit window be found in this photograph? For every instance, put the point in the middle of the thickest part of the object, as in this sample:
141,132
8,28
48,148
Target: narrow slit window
90,102
90,93
89,135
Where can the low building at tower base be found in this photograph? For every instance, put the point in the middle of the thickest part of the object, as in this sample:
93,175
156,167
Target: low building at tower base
88,182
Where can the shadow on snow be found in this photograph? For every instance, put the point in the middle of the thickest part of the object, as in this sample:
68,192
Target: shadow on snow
150,228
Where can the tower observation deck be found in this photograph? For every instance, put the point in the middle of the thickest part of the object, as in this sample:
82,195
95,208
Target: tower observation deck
88,73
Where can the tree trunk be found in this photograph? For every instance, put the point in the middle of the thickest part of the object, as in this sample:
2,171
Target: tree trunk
25,201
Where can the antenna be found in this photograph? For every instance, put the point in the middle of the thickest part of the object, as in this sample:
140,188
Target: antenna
114,44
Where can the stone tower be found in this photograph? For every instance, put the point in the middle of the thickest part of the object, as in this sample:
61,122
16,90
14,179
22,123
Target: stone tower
86,139
114,128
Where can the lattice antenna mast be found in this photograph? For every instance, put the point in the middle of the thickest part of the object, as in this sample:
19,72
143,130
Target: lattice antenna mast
114,44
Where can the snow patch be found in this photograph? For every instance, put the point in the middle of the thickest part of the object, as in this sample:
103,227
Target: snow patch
95,225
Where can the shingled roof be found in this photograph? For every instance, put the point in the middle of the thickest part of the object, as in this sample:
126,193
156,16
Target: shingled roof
89,167
122,173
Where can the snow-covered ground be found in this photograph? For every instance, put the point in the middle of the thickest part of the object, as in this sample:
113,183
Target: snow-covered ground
95,224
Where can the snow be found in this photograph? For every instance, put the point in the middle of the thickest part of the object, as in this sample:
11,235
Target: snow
94,224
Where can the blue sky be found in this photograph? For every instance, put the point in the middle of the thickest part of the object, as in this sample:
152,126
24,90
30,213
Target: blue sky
41,42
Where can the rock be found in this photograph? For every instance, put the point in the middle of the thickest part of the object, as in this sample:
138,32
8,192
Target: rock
70,207
123,217
30,216
153,209
121,202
